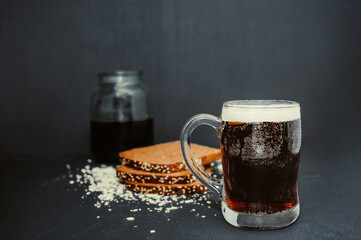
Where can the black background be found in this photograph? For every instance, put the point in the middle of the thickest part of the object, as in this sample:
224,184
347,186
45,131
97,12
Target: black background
195,55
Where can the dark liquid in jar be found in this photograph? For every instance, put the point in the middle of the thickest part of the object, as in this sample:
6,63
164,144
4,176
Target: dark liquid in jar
110,138
260,165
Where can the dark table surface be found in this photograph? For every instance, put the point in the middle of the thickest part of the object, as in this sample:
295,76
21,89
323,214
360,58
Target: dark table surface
37,201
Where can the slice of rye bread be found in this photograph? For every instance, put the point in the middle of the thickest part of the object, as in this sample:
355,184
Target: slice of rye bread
165,189
134,175
166,157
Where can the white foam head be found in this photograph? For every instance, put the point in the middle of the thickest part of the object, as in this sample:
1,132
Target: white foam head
260,111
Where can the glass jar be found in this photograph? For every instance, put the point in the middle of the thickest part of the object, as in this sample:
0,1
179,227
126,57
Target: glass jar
120,117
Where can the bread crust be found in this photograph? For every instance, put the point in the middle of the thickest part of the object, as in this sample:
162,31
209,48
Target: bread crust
133,175
165,189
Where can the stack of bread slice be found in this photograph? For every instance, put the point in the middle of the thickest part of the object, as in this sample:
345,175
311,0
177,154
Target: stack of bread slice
159,169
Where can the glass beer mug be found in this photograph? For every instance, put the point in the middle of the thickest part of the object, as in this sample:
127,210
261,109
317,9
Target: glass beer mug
260,151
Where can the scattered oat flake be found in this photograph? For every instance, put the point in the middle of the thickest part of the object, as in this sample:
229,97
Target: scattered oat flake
130,218
152,231
102,184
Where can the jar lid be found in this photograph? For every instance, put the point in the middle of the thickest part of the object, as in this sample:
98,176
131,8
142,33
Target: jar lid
120,75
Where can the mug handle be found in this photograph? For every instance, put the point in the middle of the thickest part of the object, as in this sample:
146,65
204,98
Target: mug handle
210,182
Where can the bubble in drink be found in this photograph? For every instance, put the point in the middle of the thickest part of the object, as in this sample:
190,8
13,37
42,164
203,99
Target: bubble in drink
260,165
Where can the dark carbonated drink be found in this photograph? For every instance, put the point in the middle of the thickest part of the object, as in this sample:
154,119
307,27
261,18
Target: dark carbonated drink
260,165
